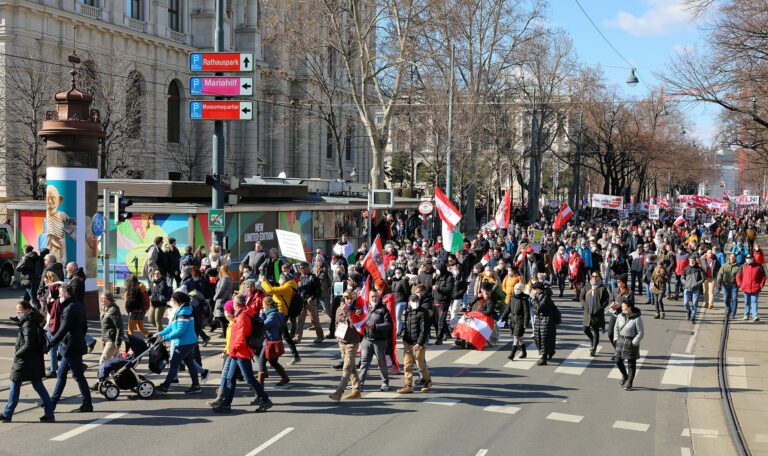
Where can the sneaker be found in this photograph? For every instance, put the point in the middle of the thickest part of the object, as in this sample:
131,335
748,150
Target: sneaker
745,318
221,408
354,394
756,319
206,341
194,389
405,390
335,396
663,315
295,360
83,409
162,389
91,346
264,406
283,382
215,402
384,388
4,419
658,315
47,419
426,387
318,340
204,376
339,365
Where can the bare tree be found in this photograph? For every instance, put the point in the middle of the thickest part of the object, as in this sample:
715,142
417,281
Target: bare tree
192,157
30,83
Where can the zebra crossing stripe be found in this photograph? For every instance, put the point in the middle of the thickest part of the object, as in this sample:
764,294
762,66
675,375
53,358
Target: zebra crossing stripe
577,361
679,370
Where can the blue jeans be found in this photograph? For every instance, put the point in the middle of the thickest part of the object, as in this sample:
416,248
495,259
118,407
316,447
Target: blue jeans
691,302
185,353
75,363
750,304
15,391
400,310
246,368
225,366
731,293
53,354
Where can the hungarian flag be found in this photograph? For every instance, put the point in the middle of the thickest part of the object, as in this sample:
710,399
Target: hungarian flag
374,260
345,250
562,217
361,303
448,212
502,213
679,221
453,240
475,328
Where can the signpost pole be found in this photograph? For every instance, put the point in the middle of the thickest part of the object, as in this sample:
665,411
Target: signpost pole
370,228
105,240
217,163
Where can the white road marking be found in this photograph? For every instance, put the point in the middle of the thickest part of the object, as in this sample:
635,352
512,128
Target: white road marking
482,453
737,373
679,370
508,409
87,427
707,433
382,395
761,438
614,373
630,426
565,417
433,351
269,442
576,363
474,357
685,451
442,401
692,340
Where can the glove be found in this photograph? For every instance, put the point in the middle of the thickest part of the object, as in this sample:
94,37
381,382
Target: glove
501,323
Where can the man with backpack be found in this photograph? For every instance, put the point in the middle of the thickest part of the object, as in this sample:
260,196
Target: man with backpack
31,269
309,290
246,336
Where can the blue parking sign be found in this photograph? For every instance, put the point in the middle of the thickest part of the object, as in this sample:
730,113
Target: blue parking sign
195,109
196,86
196,61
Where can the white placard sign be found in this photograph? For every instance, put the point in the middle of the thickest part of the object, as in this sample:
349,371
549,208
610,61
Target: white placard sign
291,245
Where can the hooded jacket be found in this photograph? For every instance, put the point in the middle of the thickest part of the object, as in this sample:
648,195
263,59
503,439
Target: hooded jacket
182,327
241,329
28,363
282,294
751,278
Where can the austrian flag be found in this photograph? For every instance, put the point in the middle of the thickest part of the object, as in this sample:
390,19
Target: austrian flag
562,217
475,328
374,260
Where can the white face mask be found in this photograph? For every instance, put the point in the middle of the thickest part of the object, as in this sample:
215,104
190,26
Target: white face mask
413,305
749,260
437,272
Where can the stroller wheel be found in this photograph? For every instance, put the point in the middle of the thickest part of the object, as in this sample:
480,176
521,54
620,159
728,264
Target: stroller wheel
111,391
145,389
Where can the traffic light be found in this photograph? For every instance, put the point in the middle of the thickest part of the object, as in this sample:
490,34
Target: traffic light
121,212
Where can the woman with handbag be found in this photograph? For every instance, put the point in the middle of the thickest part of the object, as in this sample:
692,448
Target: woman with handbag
628,333
273,342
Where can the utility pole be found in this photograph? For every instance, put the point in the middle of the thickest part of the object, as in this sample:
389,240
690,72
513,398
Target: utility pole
533,194
217,163
106,198
449,152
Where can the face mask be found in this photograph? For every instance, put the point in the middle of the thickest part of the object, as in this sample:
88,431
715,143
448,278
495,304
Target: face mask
413,305
398,275
749,260
437,272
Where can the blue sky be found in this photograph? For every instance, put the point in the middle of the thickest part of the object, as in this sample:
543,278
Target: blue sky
648,33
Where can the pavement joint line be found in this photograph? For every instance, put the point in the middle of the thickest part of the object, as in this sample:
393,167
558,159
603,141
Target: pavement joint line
482,453
631,426
507,409
442,401
269,442
555,416
706,433
87,427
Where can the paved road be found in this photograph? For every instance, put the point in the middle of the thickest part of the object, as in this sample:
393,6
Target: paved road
481,404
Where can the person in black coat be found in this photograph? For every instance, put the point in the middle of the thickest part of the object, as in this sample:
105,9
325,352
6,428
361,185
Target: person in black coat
174,263
50,263
377,330
402,290
415,336
71,335
594,299
28,362
544,323
442,293
31,269
76,280
516,316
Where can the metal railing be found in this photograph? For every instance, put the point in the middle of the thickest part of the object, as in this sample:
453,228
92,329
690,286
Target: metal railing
94,12
135,24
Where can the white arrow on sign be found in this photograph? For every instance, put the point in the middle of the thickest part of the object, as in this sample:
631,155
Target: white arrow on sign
246,110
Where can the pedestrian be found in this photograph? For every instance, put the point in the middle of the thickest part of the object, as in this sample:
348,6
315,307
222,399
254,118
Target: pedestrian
415,334
544,321
271,267
111,327
620,294
560,268
711,268
594,299
442,294
628,333
577,273
401,288
152,261
30,267
50,265
28,362
726,279
325,276
349,341
181,331
693,281
516,316
659,281
310,290
224,289
159,293
71,335
273,343
136,304
376,334
282,294
174,263
751,280
229,312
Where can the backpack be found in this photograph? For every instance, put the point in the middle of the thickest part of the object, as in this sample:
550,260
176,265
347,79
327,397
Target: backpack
296,305
256,338
162,260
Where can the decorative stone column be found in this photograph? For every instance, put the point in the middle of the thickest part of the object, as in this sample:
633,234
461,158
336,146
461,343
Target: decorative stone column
72,133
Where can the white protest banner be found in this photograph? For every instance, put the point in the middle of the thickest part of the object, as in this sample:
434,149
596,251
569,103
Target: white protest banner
607,202
291,245
690,213
653,212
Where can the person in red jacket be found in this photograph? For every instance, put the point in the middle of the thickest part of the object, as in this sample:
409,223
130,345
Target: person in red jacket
757,254
240,354
751,280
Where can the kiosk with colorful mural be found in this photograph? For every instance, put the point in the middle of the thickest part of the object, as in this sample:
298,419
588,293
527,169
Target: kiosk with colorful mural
135,236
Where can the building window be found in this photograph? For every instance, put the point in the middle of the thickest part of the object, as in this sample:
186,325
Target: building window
348,142
331,63
134,97
174,113
174,10
134,9
90,2
328,143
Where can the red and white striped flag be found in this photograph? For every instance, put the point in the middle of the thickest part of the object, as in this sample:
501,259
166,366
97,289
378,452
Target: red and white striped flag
562,217
447,211
502,213
679,221
374,260
358,321
475,328
484,260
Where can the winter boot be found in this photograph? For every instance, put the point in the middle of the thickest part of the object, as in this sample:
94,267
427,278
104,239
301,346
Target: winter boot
542,361
525,353
630,379
511,356
219,398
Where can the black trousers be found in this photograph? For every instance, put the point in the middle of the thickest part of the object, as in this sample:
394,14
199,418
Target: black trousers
593,333
443,329
631,364
289,340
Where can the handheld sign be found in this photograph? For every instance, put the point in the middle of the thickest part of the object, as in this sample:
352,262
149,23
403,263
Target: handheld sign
291,245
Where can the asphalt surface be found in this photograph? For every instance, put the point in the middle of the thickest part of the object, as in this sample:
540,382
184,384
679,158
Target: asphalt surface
480,404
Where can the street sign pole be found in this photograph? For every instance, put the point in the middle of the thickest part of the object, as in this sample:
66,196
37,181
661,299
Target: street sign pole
105,240
217,197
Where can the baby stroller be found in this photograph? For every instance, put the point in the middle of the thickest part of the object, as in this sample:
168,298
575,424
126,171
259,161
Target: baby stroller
119,374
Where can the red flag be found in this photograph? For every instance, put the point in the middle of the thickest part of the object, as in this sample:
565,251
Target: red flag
562,217
374,260
389,302
679,221
502,213
475,328
361,303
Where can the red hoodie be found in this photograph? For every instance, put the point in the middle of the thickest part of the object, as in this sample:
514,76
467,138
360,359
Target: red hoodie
751,278
241,329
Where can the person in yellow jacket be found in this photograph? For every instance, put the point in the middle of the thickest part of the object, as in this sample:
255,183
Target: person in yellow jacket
512,279
282,294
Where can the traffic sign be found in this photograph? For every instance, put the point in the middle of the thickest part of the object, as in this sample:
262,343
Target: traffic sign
221,110
221,86
426,207
215,220
221,61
